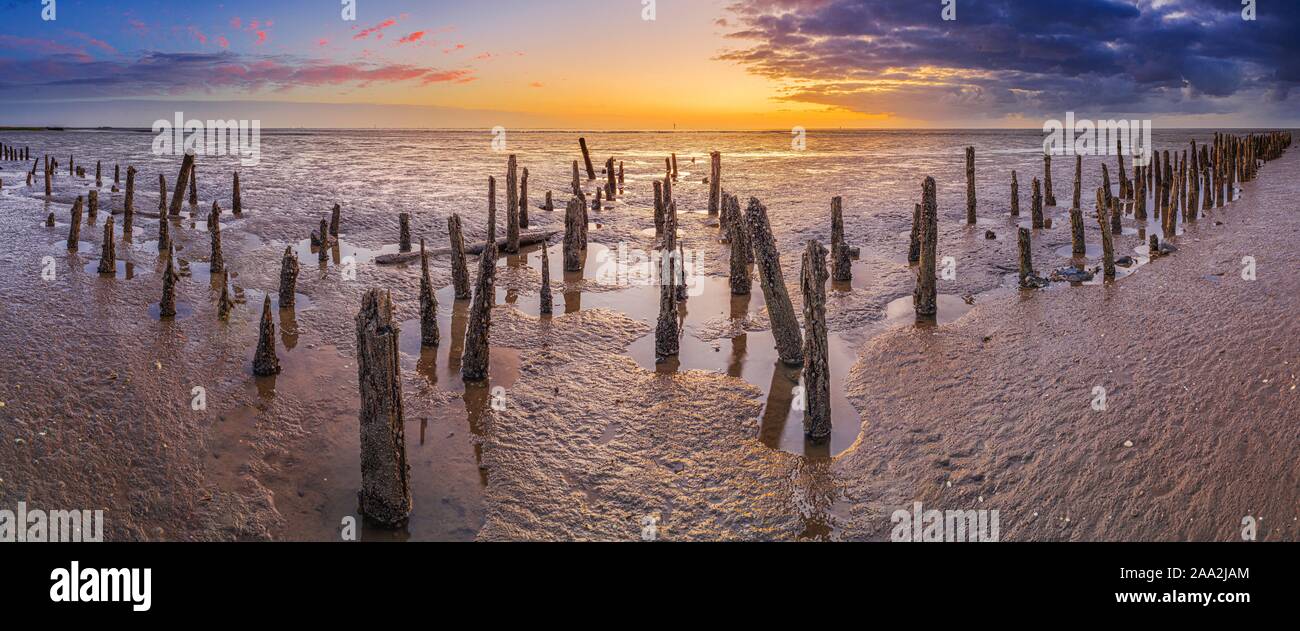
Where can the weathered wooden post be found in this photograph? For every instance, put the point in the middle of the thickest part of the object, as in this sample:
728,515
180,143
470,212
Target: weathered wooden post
492,209
224,304
47,179
738,237
549,206
1078,181
572,236
428,303
674,157
715,182
217,262
611,184
586,158
323,252
970,185
459,270
816,349
99,180
117,174
403,235
841,267
512,205
237,205
1123,178
1015,196
167,307
1153,247
49,220
289,269
659,209
780,311
523,200
187,167
385,495
667,335
547,301
1107,244
1105,182
1139,195
620,172
474,361
336,217
1036,205
162,195
1078,245
108,255
194,186
924,296
265,362
1116,227
1049,196
92,197
74,231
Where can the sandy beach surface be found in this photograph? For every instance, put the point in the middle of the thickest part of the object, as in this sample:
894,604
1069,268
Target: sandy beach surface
578,434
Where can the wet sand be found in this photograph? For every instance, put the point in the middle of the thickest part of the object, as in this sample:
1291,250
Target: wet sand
592,438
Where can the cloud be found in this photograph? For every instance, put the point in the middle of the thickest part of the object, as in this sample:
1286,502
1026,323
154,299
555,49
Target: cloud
413,37
1004,58
378,28
67,75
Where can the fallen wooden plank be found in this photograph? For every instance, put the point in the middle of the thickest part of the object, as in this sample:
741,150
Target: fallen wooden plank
527,238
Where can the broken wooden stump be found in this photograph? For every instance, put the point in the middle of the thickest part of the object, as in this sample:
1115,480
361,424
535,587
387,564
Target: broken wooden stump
128,203
586,157
167,307
1107,244
596,204
715,182
217,262
549,206
1036,205
1116,226
512,205
924,295
1015,195
194,186
459,270
1078,245
738,236
182,180
523,200
547,304
572,236
289,269
108,254
336,217
99,180
611,184
92,203
236,204
492,209
1028,279
385,495
1049,197
322,237
841,266
403,232
674,165
816,349
162,195
785,326
265,362
224,304
74,230
474,361
1078,180
667,334
428,303
970,185
49,220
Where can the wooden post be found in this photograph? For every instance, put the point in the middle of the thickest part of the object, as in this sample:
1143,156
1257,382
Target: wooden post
385,495
586,158
1026,259
224,304
217,262
1078,181
1123,179
1079,246
1015,196
403,236
92,203
162,195
1139,195
474,361
1153,247
74,231
572,236
167,307
512,205
738,237
1107,245
187,167
1036,205
667,335
237,205
1116,227
924,296
785,326
108,255
194,186
117,174
323,252
428,303
336,217
596,204
659,209
841,267
1050,197
611,181
547,304
492,209
459,270
674,167
523,200
99,180
620,172
265,362
49,220
1105,182
816,348
47,180
970,185
715,182
288,278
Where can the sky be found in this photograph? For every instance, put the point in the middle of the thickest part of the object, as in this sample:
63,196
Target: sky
698,64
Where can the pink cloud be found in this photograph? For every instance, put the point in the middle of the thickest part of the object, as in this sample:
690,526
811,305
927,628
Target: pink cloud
203,39
236,23
261,37
47,46
322,42
100,44
364,33
223,42
454,49
413,37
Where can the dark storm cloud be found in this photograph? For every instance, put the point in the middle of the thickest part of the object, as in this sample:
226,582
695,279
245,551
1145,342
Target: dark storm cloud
1022,57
